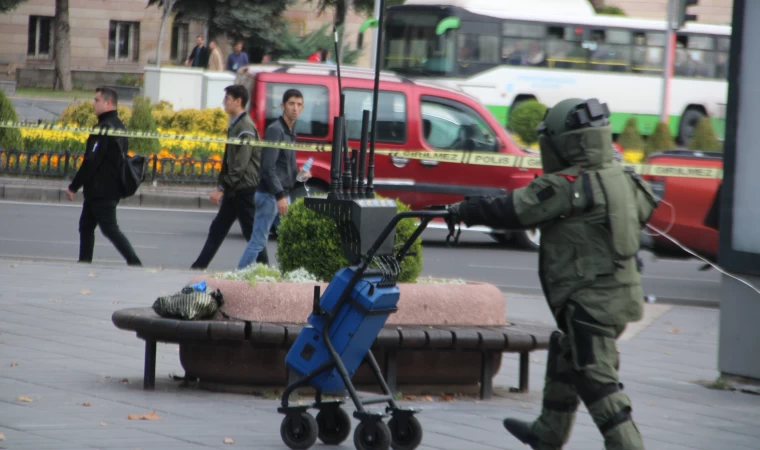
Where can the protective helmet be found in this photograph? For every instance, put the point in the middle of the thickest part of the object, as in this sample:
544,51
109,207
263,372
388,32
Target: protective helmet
575,132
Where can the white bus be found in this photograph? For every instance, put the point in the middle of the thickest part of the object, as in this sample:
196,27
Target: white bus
503,55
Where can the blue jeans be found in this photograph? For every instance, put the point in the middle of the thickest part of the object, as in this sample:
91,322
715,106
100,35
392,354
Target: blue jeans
266,212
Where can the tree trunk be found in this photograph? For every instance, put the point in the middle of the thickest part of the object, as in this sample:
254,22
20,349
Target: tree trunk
62,78
167,7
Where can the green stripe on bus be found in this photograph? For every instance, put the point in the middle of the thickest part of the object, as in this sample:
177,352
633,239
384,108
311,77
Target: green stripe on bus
644,122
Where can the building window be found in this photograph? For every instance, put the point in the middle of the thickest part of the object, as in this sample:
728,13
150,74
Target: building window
124,41
297,27
180,33
40,43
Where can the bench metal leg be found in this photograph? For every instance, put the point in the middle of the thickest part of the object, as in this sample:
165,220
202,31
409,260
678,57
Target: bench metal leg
524,371
486,375
149,376
391,371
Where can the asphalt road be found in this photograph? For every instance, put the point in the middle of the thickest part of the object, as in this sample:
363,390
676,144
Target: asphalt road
173,239
33,109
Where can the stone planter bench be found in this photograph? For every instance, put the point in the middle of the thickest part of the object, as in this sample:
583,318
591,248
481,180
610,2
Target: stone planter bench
440,337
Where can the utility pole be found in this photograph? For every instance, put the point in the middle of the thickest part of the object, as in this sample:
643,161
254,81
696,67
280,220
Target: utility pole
375,14
667,70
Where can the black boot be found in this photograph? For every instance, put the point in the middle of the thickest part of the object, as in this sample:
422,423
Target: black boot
521,430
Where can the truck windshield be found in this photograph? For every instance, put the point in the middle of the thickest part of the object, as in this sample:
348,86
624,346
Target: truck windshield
412,46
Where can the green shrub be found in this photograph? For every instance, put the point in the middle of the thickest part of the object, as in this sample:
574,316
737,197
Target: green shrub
311,241
142,120
82,114
610,10
660,140
10,138
704,137
211,121
630,139
525,118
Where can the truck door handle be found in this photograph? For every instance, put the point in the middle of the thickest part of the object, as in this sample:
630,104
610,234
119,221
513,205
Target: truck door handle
399,161
429,162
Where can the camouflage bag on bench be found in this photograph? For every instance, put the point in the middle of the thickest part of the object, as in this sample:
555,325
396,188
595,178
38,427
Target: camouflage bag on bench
189,304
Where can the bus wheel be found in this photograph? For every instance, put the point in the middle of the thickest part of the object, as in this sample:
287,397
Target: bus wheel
688,124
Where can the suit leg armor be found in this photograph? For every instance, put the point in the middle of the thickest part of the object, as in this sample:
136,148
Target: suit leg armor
560,402
595,360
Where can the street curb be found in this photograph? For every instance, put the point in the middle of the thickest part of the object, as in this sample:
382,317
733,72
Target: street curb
156,200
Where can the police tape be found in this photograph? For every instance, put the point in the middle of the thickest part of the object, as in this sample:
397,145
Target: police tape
445,156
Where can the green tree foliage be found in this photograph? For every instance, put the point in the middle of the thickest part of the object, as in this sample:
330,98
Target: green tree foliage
630,139
256,21
10,138
525,118
9,5
704,137
294,47
660,140
142,120
361,6
310,240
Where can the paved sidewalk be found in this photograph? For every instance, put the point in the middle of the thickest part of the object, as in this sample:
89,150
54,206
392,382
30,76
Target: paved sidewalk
161,195
59,349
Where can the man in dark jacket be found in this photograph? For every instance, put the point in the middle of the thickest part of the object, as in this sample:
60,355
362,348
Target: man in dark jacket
99,175
237,180
199,56
278,176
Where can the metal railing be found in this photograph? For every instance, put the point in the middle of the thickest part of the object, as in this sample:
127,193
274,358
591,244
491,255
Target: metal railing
65,164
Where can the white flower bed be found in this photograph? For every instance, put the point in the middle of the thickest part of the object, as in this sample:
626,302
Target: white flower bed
266,274
262,273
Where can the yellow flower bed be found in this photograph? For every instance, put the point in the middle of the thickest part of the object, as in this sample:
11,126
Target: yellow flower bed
50,140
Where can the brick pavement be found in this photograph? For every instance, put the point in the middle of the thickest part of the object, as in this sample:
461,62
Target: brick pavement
59,348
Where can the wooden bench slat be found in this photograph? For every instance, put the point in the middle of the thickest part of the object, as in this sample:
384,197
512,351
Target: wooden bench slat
464,337
291,333
492,340
267,333
440,339
191,329
233,330
412,337
388,338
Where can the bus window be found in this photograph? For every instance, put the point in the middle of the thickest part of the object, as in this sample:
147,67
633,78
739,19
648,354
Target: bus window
479,47
523,44
721,57
648,52
564,47
391,114
695,56
412,46
454,126
611,50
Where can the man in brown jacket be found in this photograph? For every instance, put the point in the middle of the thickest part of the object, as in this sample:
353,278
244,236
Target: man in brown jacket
215,60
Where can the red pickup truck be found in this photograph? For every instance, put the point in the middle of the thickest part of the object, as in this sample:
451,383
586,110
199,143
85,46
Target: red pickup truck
686,202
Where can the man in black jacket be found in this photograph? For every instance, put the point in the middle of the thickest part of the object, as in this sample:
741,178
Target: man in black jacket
199,56
99,175
278,176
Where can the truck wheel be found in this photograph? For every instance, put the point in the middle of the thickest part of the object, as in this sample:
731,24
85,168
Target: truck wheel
687,125
528,239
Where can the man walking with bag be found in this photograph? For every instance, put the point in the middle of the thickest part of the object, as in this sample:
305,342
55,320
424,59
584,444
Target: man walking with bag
238,179
99,175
